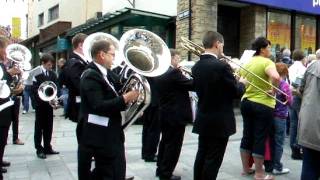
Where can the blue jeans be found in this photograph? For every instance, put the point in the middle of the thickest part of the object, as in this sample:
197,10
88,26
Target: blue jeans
279,135
310,164
294,115
26,95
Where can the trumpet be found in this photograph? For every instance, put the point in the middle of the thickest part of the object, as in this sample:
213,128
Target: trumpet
198,50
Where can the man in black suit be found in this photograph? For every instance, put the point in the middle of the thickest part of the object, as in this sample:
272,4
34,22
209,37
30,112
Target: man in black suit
5,103
151,126
175,113
44,111
216,88
100,119
71,72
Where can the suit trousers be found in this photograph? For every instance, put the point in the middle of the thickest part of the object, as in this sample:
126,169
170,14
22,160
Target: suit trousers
15,118
43,128
150,132
169,149
106,167
3,142
209,157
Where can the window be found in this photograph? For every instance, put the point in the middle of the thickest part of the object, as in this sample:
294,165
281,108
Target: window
305,33
279,30
40,19
53,13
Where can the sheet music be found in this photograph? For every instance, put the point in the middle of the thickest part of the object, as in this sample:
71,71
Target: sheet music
247,56
7,104
98,120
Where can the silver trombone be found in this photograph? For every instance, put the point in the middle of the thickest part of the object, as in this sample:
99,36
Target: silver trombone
198,50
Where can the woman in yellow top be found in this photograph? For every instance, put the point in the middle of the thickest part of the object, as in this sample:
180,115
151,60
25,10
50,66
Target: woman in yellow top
257,107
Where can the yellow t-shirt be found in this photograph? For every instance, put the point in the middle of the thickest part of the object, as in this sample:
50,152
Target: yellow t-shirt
258,65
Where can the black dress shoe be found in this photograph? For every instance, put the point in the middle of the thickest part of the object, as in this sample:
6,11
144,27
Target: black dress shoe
154,159
5,164
41,155
51,151
129,177
173,177
3,170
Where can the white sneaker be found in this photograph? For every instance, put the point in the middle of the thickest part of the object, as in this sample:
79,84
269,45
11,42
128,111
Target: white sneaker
24,112
284,171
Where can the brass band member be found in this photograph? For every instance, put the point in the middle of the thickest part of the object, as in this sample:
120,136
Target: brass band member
5,113
100,119
71,73
257,108
175,113
44,111
216,88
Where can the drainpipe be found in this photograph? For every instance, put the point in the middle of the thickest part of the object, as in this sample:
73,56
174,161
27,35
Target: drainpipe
190,28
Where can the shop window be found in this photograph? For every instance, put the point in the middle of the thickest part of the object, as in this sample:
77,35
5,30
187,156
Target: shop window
279,31
305,38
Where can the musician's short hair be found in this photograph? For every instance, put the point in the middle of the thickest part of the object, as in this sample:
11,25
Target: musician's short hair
46,57
298,55
101,45
3,41
210,38
282,69
260,43
174,52
77,39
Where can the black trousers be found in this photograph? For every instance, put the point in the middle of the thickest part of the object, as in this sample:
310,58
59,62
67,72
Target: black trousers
150,132
106,167
209,157
43,128
169,149
3,142
15,118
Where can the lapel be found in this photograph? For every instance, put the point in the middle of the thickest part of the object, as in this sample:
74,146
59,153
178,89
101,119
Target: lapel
96,69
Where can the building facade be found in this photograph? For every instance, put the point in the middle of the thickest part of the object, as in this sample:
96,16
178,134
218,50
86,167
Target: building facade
44,13
293,24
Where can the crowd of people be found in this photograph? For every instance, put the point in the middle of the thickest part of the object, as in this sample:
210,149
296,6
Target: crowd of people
287,101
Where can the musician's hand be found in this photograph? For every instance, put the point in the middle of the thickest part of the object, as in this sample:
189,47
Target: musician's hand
271,92
243,81
131,96
14,71
18,89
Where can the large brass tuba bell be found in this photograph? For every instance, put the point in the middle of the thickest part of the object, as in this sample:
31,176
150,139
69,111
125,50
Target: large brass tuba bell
147,55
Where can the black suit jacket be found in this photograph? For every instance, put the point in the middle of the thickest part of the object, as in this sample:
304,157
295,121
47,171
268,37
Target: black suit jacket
98,98
216,88
40,78
172,88
71,73
5,114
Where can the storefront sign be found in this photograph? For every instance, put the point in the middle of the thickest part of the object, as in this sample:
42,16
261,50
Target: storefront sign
307,6
62,44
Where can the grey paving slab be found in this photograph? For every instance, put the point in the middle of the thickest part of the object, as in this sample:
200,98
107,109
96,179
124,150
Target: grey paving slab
25,164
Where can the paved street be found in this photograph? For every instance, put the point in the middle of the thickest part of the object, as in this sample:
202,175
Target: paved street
26,166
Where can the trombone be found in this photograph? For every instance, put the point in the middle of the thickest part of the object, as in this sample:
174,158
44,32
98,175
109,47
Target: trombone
198,50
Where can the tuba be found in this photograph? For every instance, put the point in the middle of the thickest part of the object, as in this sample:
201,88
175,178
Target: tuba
20,56
141,51
47,91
